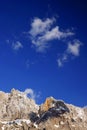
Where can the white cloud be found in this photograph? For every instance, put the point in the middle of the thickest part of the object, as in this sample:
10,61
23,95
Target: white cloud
60,64
73,48
42,33
17,45
31,94
29,63
61,60
53,34
39,27
85,107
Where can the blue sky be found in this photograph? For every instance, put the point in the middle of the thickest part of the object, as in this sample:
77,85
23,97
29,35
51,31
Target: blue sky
43,46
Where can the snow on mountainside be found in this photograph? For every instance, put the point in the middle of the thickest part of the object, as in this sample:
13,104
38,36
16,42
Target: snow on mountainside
18,112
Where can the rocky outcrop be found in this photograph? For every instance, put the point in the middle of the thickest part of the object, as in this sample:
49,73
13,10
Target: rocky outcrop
51,108
18,112
15,105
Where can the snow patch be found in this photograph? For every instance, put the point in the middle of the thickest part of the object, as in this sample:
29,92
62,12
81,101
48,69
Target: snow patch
62,123
80,113
56,126
35,125
18,122
3,128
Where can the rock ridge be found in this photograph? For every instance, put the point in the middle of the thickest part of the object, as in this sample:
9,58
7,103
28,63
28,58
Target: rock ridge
18,112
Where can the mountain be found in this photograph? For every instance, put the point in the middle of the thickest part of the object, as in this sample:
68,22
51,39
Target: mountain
18,112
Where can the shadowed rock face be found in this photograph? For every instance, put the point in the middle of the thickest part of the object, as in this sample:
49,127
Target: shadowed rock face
17,112
51,108
55,109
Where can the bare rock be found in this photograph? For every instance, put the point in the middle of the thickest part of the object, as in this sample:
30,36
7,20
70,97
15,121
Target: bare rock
16,105
18,112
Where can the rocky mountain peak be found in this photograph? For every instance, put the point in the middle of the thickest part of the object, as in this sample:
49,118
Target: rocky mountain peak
15,105
18,112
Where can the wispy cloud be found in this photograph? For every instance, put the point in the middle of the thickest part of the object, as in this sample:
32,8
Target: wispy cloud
42,33
39,26
17,45
29,63
85,107
31,94
62,59
73,49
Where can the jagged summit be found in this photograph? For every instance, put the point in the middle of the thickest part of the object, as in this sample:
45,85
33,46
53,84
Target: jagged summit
18,112
16,105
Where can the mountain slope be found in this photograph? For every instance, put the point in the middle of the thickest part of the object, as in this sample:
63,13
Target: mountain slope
18,112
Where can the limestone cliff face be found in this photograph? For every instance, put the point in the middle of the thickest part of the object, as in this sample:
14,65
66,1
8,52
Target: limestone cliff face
18,112
15,105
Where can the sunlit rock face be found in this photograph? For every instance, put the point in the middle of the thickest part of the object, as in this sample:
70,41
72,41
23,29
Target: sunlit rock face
15,105
56,105
18,112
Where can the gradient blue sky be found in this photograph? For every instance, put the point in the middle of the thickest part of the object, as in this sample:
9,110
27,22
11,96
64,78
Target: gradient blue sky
51,61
